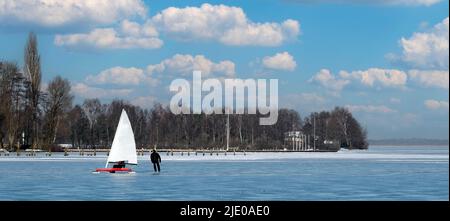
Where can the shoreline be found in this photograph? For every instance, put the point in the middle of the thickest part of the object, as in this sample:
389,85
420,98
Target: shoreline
89,152
143,151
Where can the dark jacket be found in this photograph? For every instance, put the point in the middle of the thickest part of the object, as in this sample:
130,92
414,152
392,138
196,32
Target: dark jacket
155,158
120,164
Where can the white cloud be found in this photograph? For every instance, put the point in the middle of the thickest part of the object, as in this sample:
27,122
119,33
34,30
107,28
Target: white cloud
183,65
280,61
370,108
130,35
377,76
228,25
86,91
431,78
121,76
137,30
262,34
373,77
329,81
144,101
54,13
376,2
435,104
179,64
428,49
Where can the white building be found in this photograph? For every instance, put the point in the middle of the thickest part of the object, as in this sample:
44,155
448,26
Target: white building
296,141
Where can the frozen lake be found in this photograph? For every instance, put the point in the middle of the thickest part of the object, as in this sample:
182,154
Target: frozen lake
381,173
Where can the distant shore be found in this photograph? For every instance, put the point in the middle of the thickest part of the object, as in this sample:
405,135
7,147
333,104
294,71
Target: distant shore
141,152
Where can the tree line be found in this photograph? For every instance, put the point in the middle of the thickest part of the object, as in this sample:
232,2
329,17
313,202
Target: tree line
33,117
30,116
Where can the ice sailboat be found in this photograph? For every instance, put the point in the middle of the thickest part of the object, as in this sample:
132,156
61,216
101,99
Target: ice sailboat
123,149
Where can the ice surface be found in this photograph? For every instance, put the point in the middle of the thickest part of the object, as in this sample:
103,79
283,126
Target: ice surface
380,173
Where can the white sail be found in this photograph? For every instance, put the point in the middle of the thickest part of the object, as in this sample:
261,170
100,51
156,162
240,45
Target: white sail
123,147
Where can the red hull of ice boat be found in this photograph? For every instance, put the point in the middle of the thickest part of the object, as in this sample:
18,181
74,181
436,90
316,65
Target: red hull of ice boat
113,170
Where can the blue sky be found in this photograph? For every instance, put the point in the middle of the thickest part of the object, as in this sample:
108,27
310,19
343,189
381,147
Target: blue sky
386,60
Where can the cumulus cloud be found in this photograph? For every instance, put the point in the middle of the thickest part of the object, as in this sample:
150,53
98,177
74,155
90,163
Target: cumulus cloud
373,77
329,81
52,13
427,49
280,61
129,35
430,78
377,76
436,105
376,2
122,76
86,91
137,30
226,24
179,64
370,108
183,65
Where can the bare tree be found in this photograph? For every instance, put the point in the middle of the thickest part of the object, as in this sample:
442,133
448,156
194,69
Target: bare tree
32,69
2,133
3,98
343,116
94,124
58,102
92,108
79,127
12,101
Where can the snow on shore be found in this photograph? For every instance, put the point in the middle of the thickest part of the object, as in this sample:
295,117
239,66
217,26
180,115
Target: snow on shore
438,156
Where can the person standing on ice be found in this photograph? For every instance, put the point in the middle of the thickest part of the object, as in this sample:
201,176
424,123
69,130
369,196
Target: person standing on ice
156,160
